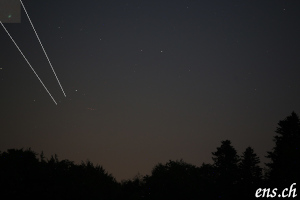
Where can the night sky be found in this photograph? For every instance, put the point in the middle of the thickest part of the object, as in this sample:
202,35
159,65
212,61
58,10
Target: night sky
149,80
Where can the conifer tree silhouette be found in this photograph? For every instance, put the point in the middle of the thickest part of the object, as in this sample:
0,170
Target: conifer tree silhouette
227,171
250,174
285,156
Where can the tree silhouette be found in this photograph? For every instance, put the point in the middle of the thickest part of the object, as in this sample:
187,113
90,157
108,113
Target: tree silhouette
23,176
285,156
227,171
174,180
134,189
250,173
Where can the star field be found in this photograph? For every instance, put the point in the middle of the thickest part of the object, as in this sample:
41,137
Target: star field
149,81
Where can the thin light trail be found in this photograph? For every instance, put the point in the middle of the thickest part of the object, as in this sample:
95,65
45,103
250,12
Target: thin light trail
43,48
28,62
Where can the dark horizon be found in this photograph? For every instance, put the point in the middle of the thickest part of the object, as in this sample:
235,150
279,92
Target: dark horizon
149,81
25,173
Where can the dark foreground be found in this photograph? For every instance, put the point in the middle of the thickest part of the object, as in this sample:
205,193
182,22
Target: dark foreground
25,174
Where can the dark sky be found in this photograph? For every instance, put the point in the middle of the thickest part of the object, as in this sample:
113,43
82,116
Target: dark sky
149,80
10,11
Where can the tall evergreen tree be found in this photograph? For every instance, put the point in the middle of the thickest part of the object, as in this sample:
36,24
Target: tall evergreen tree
226,165
285,156
250,174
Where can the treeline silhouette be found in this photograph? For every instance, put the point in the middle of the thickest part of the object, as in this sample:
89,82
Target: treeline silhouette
26,175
